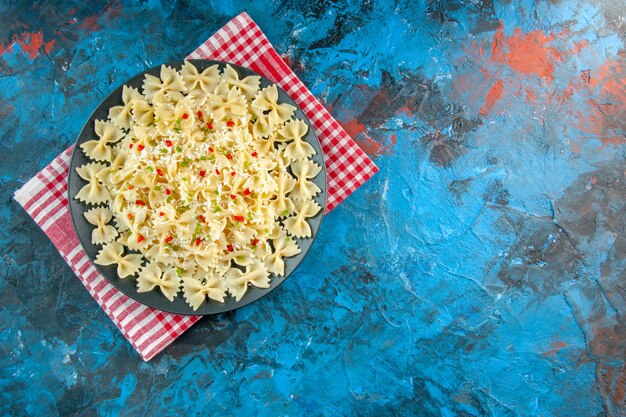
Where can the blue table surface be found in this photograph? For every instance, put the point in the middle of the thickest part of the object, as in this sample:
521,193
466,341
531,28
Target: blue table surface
480,272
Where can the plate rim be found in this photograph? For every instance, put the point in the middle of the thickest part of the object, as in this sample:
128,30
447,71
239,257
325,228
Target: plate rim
135,295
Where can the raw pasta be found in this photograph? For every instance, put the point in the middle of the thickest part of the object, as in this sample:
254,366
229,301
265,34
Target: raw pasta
207,179
103,233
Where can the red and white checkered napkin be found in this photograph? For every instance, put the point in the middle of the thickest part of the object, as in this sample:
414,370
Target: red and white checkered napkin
44,197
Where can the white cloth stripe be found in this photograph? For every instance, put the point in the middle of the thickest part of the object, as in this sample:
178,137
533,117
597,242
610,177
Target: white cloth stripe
147,335
139,326
53,218
122,307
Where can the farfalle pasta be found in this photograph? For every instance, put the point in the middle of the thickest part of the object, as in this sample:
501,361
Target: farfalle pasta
201,184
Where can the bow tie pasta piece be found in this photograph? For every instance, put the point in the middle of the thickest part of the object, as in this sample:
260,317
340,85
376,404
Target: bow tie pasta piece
121,116
200,83
304,171
297,225
163,253
237,281
207,257
170,80
164,116
142,112
267,101
99,150
152,276
225,103
107,132
281,203
242,257
94,192
298,149
112,254
103,233
204,285
284,247
248,85
261,127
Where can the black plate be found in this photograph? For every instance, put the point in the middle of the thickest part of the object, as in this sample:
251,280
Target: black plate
154,298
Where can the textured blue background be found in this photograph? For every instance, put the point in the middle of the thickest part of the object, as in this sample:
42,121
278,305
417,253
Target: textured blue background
481,272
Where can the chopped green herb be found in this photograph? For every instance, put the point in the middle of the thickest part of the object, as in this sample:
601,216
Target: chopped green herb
179,149
179,121
211,157
284,213
177,129
217,209
169,199
217,192
203,158
179,272
163,150
256,177
152,143
250,217
157,187
150,169
156,120
261,127
246,165
253,118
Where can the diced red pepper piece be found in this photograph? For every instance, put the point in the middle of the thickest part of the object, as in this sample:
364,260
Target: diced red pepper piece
210,149
168,239
233,196
161,213
254,242
168,143
167,191
229,156
230,248
140,148
254,154
238,218
247,192
185,116
209,125
130,146
230,123
140,239
199,114
140,203
198,240
159,172
201,218
232,174
130,216
130,187
202,173
217,171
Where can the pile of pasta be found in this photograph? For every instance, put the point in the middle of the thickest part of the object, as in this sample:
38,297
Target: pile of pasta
201,183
